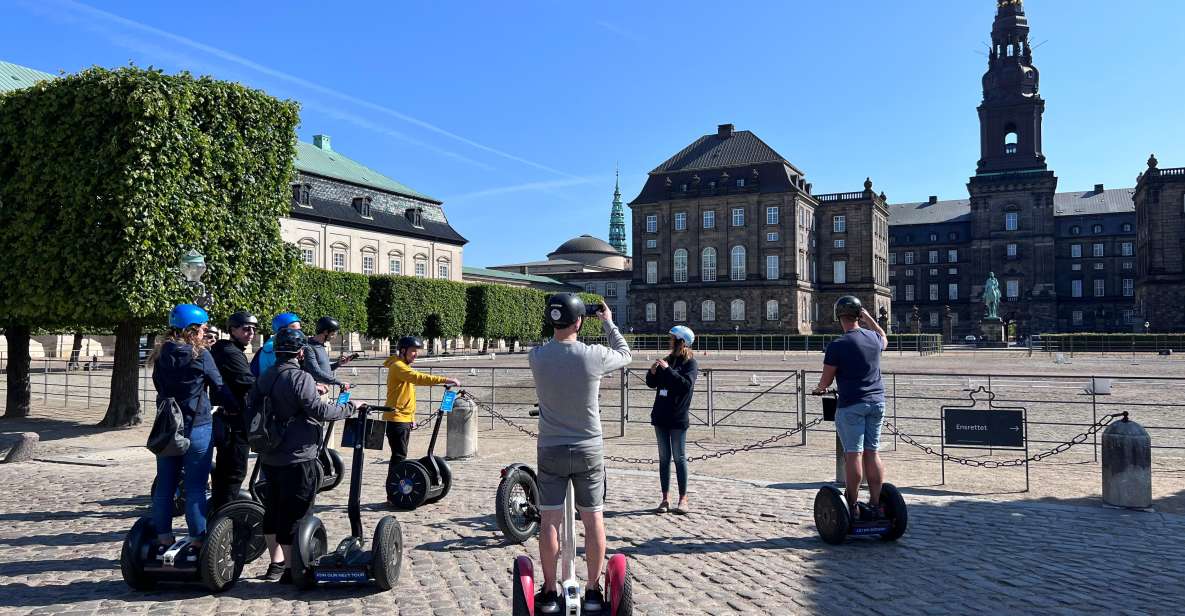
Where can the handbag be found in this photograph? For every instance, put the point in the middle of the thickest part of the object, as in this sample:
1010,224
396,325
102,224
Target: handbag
167,438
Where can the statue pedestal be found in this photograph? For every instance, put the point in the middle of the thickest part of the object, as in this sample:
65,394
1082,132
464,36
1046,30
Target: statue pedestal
993,333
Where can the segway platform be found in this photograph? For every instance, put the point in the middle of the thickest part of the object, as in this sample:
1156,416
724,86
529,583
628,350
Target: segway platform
834,520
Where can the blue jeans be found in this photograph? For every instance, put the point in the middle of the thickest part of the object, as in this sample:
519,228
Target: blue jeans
672,442
859,426
196,463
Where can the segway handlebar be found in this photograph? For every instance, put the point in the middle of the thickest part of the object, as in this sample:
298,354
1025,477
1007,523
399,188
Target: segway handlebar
829,392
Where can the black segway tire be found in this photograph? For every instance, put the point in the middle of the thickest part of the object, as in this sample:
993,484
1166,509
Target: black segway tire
247,517
387,551
515,521
446,480
335,473
895,511
131,563
832,518
217,562
408,488
306,552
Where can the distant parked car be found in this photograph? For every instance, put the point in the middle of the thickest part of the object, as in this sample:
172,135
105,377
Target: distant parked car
970,339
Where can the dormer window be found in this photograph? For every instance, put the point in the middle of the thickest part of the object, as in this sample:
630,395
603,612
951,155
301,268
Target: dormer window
362,204
415,216
300,194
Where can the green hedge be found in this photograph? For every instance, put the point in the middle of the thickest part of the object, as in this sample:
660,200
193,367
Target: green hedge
341,295
499,311
1098,342
402,305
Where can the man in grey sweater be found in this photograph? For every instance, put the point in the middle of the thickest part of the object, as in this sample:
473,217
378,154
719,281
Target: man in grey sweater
567,381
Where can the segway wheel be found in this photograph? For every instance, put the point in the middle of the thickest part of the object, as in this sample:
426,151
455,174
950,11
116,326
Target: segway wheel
620,586
131,556
446,480
894,505
523,599
333,469
832,518
217,561
247,518
516,506
408,488
307,552
388,552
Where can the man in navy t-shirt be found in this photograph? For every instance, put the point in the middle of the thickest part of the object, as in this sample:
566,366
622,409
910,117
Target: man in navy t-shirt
853,361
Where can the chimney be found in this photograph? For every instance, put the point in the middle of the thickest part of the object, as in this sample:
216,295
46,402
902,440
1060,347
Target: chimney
322,142
933,199
1098,188
724,131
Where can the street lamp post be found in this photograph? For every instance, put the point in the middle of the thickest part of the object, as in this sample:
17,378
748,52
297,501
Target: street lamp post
737,330
193,267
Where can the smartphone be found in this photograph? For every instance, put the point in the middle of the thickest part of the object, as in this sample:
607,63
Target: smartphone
446,402
592,310
343,398
354,356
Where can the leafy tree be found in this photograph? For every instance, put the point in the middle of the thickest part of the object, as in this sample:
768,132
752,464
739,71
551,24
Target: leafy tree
108,176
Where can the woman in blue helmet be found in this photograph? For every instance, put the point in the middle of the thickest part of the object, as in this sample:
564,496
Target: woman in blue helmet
673,378
182,369
266,357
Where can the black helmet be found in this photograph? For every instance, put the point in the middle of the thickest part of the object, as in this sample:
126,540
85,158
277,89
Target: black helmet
563,309
848,306
328,324
240,319
288,341
409,342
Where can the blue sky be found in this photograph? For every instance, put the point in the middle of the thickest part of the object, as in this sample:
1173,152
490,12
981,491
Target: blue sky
516,113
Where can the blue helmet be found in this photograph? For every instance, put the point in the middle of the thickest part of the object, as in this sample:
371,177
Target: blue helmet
289,341
283,320
683,333
184,315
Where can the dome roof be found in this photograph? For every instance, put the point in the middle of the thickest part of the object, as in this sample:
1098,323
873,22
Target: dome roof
585,243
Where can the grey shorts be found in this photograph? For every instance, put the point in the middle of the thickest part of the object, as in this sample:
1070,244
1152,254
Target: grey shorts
583,465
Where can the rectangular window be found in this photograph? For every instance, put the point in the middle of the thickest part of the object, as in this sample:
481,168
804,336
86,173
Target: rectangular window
909,258
933,256
953,271
909,293
442,270
1127,265
395,265
771,215
1129,316
1075,288
368,264
307,255
909,273
1076,251
839,224
1096,250
1013,289
740,182
610,289
652,243
892,258
1129,287
933,319
839,271
771,267
933,292
590,287
893,292
1077,267
738,216
652,223
1098,266
1012,251
1100,287
771,310
839,243
952,256
710,219
772,236
1010,221
651,313
680,221
933,271
1125,249
652,272
339,261
421,269
952,290
1076,317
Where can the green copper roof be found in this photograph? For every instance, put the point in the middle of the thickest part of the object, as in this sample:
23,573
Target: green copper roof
16,77
328,163
492,273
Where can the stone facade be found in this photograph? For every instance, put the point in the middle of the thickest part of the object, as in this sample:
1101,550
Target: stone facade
1160,222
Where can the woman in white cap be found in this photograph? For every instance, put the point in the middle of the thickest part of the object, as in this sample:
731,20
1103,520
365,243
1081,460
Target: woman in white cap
673,378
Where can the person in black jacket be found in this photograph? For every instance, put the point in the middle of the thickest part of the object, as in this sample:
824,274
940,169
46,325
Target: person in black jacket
230,434
674,378
291,468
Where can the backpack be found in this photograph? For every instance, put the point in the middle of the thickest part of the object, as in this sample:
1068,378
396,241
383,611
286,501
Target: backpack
265,431
166,438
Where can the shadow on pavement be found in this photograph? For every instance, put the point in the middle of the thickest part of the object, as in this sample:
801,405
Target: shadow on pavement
48,429
24,595
33,567
62,539
38,516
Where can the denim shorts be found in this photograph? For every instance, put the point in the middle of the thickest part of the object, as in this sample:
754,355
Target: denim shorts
859,426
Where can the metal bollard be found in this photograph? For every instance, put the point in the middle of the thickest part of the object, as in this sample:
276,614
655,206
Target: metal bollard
1127,465
461,443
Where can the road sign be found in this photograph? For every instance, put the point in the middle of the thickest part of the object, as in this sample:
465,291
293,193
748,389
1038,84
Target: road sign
996,428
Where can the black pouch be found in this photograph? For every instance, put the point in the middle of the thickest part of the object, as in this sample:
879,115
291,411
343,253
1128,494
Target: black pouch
374,433
830,403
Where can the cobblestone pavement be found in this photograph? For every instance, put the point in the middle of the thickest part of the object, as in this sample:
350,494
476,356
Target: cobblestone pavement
745,549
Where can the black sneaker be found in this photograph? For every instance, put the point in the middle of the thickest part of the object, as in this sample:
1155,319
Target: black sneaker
275,571
547,602
287,577
594,601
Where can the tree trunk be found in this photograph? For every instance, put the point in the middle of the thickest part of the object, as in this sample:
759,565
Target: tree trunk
123,410
17,404
75,351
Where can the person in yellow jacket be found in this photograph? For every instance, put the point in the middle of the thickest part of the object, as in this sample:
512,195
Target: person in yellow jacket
402,380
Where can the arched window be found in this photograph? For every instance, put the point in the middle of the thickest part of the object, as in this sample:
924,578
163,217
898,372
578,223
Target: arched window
339,252
738,310
771,310
308,251
443,268
1010,138
1096,229
680,265
395,262
805,314
651,312
738,263
680,311
707,311
369,260
421,263
708,265
1075,230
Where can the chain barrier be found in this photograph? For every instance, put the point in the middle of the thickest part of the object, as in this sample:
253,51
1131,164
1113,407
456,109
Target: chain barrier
1077,440
490,409
719,453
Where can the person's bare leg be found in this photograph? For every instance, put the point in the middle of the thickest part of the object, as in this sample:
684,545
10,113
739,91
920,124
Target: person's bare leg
594,545
273,548
875,471
287,552
549,545
852,473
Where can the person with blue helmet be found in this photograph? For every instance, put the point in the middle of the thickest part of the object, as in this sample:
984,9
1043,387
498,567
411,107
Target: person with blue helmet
673,378
266,357
183,370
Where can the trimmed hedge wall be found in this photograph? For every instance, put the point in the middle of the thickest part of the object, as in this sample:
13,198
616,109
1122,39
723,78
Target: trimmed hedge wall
403,305
319,293
515,313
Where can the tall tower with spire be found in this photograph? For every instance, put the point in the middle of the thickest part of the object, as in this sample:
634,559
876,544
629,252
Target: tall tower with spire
1010,115
617,219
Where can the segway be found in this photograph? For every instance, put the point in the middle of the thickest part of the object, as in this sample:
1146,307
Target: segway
427,480
351,562
619,598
